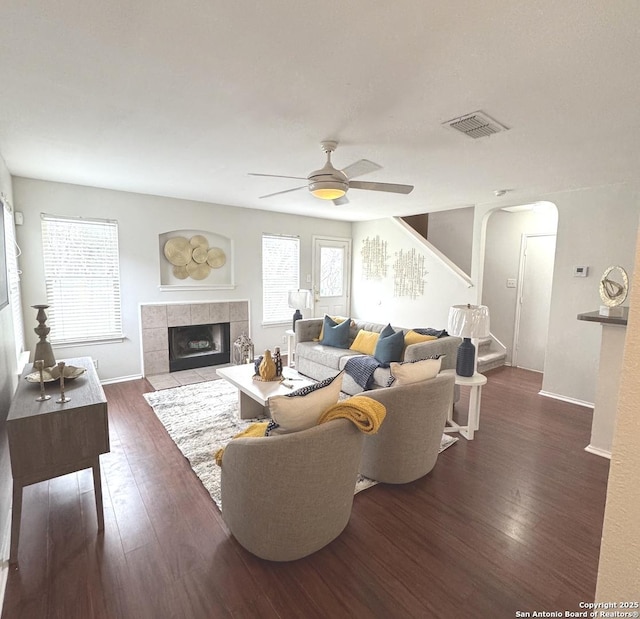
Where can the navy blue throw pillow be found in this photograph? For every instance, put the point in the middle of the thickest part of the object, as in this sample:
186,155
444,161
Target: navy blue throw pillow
336,335
389,348
387,331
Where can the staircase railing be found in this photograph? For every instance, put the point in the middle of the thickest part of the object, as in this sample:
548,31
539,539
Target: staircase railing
454,268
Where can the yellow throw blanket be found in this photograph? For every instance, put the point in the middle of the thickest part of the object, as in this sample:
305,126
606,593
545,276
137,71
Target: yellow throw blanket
367,414
255,429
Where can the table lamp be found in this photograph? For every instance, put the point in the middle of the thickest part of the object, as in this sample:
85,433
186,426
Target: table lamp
468,321
299,299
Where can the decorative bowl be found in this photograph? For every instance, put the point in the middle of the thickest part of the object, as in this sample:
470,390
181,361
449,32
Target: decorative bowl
52,374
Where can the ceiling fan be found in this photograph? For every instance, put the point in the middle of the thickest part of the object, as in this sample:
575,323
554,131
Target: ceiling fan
328,183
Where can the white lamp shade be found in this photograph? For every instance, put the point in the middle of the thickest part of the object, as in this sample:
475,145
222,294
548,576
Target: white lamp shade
299,299
469,321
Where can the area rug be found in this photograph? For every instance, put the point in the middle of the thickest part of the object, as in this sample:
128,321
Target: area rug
202,418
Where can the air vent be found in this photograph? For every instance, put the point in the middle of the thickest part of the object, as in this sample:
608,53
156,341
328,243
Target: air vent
476,125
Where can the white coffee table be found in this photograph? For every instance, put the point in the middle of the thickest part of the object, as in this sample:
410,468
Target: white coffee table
253,395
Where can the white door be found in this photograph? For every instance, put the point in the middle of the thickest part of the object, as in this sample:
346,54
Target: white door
534,301
331,276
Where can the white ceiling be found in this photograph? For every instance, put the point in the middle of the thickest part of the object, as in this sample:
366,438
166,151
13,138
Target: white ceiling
184,98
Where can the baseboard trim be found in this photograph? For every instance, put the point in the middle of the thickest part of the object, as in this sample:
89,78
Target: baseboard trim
564,398
4,561
603,453
121,379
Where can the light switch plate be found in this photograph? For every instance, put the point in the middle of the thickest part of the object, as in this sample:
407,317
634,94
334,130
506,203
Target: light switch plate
580,271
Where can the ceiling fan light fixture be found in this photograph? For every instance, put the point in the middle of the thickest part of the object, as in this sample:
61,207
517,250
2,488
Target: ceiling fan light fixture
328,190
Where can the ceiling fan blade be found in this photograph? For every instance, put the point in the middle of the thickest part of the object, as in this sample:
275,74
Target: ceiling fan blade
300,178
391,187
359,168
341,201
277,193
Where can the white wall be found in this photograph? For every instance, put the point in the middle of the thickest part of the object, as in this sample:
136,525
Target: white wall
596,228
619,569
452,233
8,383
502,261
141,219
374,300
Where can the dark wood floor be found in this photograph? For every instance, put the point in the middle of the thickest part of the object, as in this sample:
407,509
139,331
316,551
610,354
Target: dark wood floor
510,521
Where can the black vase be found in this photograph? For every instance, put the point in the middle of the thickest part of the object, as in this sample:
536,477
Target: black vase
297,316
465,362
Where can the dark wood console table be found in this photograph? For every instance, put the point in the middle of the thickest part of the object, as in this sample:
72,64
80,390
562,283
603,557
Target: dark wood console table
47,439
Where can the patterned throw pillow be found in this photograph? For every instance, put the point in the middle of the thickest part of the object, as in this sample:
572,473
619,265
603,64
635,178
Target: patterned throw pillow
302,408
414,371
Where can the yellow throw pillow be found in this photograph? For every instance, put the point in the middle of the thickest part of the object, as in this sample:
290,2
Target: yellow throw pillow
411,337
365,342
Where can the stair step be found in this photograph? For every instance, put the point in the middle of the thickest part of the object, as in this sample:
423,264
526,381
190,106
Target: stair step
490,361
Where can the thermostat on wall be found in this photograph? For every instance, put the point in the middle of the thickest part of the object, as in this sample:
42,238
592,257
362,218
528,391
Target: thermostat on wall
580,271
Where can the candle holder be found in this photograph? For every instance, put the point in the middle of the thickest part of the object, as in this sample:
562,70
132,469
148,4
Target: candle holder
39,365
43,347
63,399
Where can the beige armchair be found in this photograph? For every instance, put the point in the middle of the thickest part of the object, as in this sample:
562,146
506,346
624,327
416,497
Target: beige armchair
408,442
286,496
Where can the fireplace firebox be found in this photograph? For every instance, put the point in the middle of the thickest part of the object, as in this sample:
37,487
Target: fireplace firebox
197,346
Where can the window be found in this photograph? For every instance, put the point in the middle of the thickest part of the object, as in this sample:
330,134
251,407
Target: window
331,271
280,273
82,278
13,275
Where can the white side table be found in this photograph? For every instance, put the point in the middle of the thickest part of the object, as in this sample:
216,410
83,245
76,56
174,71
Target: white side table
291,348
473,421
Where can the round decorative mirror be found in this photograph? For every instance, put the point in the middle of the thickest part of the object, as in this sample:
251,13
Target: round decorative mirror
614,286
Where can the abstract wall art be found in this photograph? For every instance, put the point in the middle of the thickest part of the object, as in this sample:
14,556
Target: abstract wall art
408,274
374,258
195,258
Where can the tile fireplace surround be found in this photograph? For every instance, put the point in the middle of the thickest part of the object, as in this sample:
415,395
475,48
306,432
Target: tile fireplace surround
156,318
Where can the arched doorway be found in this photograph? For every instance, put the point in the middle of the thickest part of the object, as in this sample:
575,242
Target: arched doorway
508,282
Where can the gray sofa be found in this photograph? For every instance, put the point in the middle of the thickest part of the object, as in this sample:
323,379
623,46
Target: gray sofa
320,362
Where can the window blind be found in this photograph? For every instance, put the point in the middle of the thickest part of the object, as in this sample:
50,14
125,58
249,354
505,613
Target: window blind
280,273
82,277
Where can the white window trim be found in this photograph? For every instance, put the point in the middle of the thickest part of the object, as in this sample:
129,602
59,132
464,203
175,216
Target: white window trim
292,283
13,276
60,279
